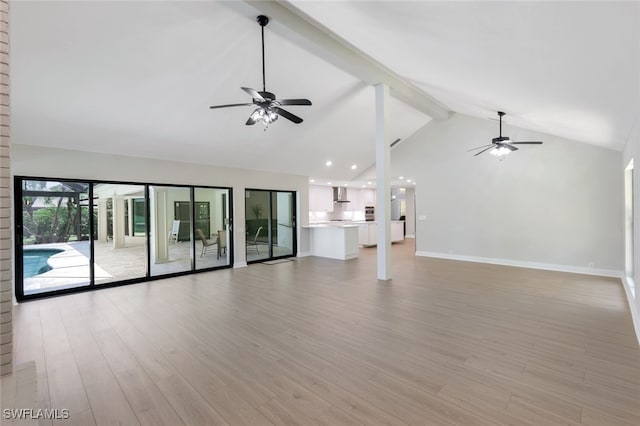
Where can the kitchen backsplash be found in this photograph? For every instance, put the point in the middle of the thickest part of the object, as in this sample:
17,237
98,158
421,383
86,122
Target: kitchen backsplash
337,214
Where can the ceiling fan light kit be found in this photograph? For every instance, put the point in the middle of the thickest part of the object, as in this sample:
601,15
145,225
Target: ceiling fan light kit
500,151
502,145
269,107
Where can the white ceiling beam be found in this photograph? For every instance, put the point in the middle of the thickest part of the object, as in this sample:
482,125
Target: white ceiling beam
311,35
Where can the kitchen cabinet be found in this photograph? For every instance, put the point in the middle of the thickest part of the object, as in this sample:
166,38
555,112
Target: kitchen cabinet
397,231
320,198
355,196
334,241
367,233
368,197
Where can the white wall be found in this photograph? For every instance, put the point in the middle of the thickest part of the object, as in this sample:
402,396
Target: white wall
411,212
555,206
38,161
632,151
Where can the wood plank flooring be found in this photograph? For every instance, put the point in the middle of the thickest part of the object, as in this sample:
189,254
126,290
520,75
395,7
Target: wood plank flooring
322,342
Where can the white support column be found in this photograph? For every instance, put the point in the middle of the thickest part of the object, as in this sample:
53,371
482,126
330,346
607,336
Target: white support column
160,233
239,227
118,222
130,210
383,184
103,225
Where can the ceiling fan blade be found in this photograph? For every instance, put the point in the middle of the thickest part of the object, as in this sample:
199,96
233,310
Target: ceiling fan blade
527,143
286,114
294,101
512,148
486,149
227,106
254,93
478,147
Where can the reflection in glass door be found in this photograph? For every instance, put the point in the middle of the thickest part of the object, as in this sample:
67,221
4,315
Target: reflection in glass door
270,224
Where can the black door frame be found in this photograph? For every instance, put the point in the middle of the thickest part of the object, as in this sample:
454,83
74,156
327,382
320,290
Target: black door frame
294,222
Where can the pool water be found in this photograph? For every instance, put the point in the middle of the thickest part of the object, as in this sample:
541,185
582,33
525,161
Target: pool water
34,261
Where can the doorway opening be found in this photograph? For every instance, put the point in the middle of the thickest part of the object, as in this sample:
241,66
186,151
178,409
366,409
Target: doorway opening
629,231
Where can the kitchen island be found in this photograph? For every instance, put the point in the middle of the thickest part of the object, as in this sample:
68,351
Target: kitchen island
367,232
337,240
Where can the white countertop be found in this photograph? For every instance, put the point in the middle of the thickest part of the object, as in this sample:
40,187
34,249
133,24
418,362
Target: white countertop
345,222
374,222
332,225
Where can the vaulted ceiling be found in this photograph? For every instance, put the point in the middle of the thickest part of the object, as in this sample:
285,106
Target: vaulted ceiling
136,78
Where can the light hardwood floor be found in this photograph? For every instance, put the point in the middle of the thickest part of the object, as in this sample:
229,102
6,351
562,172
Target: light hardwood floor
317,341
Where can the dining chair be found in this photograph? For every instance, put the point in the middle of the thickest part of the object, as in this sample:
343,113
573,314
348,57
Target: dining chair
254,243
222,242
205,244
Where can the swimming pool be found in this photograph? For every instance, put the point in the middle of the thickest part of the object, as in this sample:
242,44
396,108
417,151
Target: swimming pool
34,261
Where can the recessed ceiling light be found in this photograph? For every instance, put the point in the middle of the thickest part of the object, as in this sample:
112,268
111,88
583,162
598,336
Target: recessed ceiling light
345,184
329,163
409,180
401,177
328,183
369,183
312,180
364,186
354,166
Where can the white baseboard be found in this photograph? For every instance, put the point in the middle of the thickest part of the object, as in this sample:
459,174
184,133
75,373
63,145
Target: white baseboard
525,264
304,254
410,236
240,265
627,283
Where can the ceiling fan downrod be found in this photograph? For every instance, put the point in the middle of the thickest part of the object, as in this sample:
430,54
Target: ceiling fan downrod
500,113
263,21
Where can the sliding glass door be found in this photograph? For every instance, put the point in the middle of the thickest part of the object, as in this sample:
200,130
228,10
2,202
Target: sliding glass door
212,228
270,224
53,239
120,252
77,235
283,221
170,230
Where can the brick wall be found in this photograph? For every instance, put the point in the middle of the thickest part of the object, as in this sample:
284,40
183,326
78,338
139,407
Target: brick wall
6,295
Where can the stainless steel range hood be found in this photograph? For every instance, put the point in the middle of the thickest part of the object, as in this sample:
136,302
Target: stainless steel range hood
340,195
